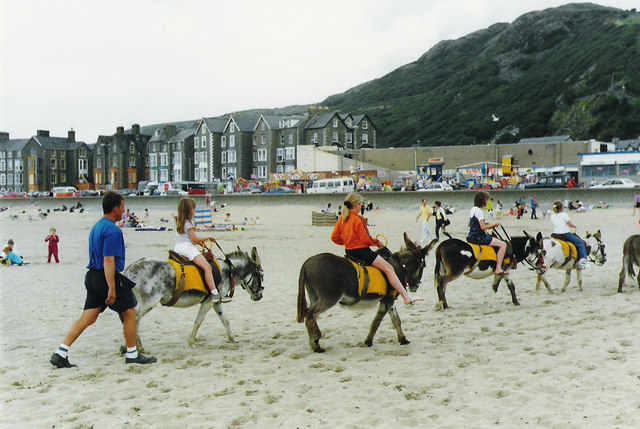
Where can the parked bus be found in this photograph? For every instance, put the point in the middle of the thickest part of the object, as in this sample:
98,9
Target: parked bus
196,188
65,191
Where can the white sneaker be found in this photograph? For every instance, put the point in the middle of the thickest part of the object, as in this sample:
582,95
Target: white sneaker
582,264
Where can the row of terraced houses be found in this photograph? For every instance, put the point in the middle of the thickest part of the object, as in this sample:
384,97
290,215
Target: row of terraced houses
231,147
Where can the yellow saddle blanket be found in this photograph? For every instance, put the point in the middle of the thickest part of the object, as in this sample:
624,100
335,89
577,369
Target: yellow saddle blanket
568,249
370,280
192,278
488,253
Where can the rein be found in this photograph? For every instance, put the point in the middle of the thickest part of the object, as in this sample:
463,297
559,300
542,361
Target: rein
601,250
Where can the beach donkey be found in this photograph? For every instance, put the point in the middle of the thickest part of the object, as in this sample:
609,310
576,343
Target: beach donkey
455,258
630,256
329,279
562,255
156,284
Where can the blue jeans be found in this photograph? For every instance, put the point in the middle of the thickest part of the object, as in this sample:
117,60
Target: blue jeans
572,238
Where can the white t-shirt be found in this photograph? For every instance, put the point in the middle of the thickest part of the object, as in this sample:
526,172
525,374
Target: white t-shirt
184,237
560,223
477,213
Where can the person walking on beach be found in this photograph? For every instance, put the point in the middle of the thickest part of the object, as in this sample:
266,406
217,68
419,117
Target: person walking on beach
636,202
441,220
534,205
186,240
424,214
561,226
478,227
53,240
351,232
105,285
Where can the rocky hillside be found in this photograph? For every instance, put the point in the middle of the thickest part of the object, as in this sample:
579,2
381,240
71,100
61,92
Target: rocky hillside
571,70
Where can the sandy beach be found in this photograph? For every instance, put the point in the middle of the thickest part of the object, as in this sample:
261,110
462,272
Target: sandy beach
569,360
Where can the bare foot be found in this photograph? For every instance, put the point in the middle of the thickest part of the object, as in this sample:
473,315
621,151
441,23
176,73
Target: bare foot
500,273
412,300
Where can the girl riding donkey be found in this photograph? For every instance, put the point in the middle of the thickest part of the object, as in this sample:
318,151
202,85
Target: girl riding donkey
186,240
351,231
478,226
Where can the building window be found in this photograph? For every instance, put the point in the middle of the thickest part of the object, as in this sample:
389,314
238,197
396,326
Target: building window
52,164
290,153
262,126
82,165
335,137
132,161
279,168
63,165
365,138
224,172
98,162
18,165
53,153
9,179
153,175
196,142
132,149
115,148
349,138
153,160
223,141
63,153
315,138
163,159
232,127
63,177
3,179
224,157
204,142
364,125
262,154
232,141
204,128
177,159
255,139
164,175
53,178
231,155
114,161
279,155
82,152
281,138
3,154
335,123
3,165
263,139
255,156
262,171
290,138
18,179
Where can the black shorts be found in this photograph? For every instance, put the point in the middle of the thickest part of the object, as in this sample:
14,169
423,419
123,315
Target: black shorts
638,205
365,255
98,290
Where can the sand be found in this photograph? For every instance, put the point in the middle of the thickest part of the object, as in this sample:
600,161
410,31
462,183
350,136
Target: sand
569,360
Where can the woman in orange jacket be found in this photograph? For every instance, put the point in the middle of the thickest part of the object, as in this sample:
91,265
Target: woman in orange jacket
351,232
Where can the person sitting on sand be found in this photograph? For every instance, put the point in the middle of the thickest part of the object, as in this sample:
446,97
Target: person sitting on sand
10,257
351,232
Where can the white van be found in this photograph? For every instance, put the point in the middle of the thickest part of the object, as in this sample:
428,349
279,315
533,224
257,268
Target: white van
65,191
331,186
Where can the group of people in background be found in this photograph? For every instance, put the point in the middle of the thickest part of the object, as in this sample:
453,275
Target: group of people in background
439,213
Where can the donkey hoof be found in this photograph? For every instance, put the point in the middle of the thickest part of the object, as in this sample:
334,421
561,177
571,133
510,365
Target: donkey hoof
404,341
368,343
318,349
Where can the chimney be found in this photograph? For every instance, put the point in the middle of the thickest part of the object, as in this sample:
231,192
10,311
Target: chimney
4,136
120,130
135,129
71,135
170,130
42,133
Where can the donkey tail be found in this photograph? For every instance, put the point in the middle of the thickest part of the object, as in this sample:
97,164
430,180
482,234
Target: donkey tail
629,250
302,300
436,270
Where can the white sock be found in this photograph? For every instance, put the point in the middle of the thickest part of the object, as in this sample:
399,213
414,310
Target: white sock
132,352
63,350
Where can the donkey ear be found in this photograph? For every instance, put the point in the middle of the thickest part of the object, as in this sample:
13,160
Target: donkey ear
410,244
254,255
598,235
539,237
239,249
588,234
426,249
526,234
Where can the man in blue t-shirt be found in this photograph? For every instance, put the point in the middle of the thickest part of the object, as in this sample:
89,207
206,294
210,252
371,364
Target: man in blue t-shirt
106,286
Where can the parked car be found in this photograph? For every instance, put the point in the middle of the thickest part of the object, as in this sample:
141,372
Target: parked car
279,190
436,186
397,185
617,183
553,181
245,191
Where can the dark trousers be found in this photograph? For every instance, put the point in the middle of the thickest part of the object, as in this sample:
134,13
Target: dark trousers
438,226
54,252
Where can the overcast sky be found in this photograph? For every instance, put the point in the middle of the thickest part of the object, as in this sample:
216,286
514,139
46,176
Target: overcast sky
95,65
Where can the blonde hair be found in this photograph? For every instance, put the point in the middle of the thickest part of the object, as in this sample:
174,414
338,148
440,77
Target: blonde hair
52,229
558,207
349,203
7,249
185,205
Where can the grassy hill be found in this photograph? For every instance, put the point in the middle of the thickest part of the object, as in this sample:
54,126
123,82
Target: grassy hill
572,70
